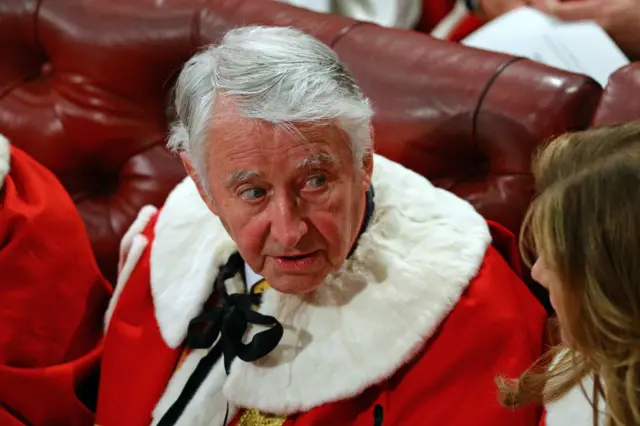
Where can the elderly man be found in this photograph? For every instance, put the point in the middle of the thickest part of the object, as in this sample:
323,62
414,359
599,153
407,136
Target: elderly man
296,278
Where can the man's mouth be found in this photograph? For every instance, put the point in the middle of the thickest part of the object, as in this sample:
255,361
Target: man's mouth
297,262
297,257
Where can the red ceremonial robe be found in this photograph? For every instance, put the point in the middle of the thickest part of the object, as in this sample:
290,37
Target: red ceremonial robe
458,24
420,320
52,300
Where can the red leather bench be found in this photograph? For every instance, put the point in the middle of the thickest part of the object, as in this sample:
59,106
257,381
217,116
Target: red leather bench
621,99
84,86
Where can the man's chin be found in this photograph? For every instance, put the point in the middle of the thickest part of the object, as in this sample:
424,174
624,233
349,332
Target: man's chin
297,284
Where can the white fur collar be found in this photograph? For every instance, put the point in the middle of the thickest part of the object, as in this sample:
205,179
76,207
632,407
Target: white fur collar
5,158
422,248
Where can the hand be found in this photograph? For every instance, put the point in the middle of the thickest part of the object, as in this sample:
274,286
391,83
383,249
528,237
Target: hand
490,9
620,18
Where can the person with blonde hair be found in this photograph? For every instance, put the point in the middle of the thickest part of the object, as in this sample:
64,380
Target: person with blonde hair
583,229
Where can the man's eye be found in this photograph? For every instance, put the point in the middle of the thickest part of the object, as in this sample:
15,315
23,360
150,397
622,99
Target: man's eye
253,194
317,181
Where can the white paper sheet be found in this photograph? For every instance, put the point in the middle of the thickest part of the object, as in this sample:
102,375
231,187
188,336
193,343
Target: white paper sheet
580,47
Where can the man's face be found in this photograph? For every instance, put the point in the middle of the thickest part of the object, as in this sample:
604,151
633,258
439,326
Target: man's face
293,201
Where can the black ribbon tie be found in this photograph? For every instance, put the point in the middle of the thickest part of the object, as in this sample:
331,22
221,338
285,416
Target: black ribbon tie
224,327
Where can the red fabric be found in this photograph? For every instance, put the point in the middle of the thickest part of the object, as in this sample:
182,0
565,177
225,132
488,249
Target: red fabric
133,379
434,11
507,244
496,328
469,24
53,299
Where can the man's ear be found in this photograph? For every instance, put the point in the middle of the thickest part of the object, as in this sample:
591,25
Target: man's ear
195,177
367,162
367,169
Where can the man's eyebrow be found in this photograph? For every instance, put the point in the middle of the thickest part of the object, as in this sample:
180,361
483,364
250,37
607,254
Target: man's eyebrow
317,159
240,176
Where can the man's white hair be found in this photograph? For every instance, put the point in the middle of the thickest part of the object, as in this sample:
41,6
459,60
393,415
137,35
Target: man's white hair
276,74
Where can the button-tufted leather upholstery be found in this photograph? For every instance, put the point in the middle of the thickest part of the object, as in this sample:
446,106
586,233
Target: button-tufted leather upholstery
621,99
84,85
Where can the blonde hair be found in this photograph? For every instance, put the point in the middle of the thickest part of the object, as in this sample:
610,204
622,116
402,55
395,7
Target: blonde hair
585,221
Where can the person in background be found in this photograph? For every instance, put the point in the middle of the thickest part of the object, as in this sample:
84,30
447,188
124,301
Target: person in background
388,13
466,16
295,278
52,300
620,18
491,9
583,230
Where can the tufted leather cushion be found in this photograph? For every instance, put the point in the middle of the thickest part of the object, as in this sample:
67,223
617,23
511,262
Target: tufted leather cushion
621,99
468,120
84,93
84,85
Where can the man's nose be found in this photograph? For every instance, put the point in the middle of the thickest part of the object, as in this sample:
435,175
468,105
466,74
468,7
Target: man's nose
287,224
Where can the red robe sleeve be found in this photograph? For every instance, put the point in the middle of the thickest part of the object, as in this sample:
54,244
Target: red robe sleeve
53,300
133,345
543,418
496,328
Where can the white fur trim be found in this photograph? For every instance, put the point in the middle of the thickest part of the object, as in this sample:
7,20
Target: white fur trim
190,246
137,227
422,248
5,159
132,246
451,21
211,408
574,408
138,245
208,398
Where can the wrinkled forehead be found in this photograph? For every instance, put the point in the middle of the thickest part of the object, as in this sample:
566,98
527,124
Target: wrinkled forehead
232,137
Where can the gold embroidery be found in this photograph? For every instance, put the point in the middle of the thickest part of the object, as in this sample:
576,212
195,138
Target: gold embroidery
256,418
183,355
260,287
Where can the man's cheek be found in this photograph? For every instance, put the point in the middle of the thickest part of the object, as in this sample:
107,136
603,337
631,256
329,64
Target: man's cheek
331,232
